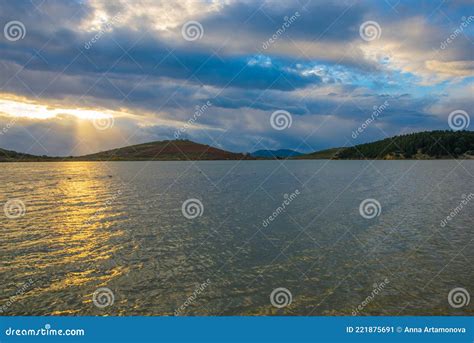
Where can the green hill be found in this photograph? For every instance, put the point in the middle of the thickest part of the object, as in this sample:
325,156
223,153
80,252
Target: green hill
420,145
13,156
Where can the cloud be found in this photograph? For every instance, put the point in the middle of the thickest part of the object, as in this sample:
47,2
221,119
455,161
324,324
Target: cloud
452,68
114,57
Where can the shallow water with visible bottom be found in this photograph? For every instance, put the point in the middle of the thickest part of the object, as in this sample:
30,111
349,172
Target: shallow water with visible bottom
120,225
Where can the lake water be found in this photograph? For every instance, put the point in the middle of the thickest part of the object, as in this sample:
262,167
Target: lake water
120,225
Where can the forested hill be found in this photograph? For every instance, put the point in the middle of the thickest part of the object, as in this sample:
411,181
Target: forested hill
421,145
13,156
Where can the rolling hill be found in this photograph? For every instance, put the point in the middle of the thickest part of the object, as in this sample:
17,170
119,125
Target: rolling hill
176,150
13,156
420,145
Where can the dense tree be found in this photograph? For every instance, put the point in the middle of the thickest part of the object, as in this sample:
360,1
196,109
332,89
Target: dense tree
435,144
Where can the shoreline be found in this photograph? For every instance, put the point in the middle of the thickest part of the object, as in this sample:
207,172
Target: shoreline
241,160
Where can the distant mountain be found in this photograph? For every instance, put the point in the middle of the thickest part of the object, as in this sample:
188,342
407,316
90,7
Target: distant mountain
176,150
282,153
420,145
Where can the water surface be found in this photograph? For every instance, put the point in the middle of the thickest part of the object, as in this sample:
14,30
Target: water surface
120,225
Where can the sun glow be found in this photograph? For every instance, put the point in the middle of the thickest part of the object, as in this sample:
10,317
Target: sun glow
14,106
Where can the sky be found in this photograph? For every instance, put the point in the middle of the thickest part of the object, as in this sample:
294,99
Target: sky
77,77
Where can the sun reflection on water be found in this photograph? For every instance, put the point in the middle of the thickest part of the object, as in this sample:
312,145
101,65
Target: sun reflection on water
71,245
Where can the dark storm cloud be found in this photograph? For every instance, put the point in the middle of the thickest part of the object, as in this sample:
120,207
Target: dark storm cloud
315,19
129,54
